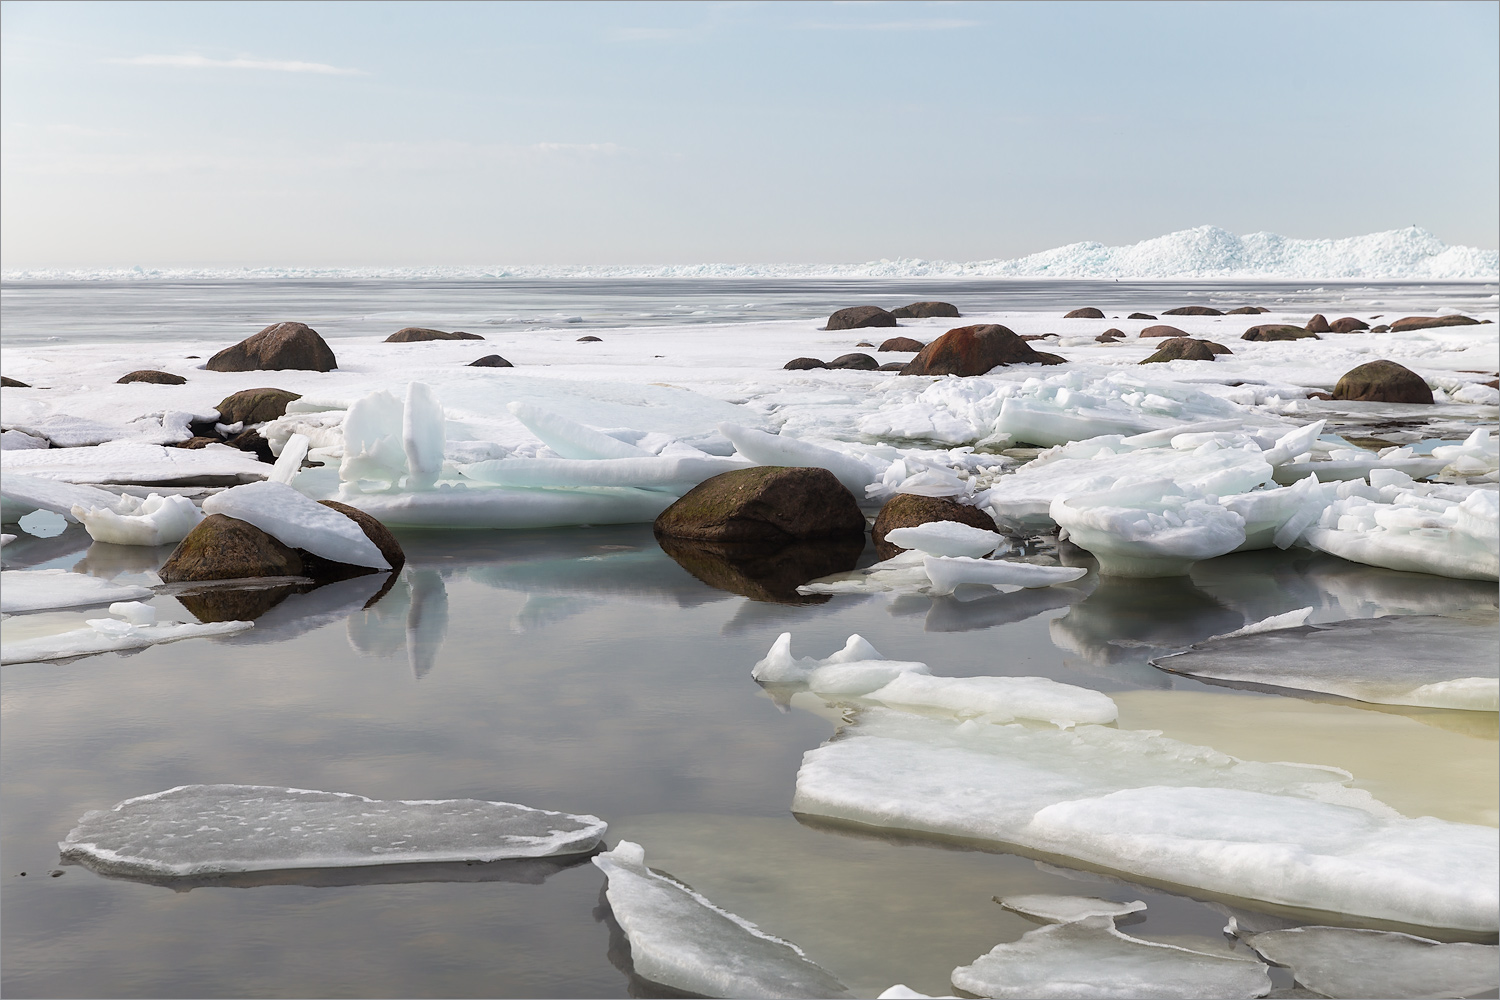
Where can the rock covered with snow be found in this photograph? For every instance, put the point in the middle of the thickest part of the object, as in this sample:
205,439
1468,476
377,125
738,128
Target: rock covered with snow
299,523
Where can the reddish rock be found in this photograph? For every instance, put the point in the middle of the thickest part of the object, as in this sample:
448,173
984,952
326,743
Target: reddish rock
278,347
901,344
1383,382
1428,322
1110,336
1348,324
1140,316
1318,324
1163,331
416,334
926,310
974,350
490,361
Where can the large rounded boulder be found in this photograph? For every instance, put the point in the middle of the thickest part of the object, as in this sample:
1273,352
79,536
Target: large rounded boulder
767,504
1182,349
255,406
415,334
226,548
1277,331
974,350
1429,322
1087,312
858,362
1318,324
803,364
1163,331
278,347
859,317
907,510
926,310
1383,382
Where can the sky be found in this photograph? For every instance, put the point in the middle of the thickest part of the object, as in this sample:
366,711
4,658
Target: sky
397,134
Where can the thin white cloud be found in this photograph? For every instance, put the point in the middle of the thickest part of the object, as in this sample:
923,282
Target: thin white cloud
272,65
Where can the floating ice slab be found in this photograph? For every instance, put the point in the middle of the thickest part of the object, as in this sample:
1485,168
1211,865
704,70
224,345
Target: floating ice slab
948,574
1477,456
195,830
1144,805
681,940
38,589
498,507
1355,963
858,670
156,520
674,475
779,449
1414,532
298,522
1421,660
946,538
23,494
110,635
1066,909
1092,958
1150,529
129,462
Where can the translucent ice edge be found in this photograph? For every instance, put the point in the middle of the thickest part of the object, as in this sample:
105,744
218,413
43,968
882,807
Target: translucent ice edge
915,572
195,830
109,635
680,939
1349,962
1066,909
40,589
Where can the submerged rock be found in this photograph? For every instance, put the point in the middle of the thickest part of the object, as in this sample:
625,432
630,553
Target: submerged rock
926,310
414,334
1277,331
901,344
278,347
859,317
154,377
1182,349
1087,312
907,510
1383,382
974,350
858,362
490,361
255,406
767,503
1429,322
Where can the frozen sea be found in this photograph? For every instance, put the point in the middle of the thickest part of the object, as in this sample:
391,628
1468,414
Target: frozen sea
584,670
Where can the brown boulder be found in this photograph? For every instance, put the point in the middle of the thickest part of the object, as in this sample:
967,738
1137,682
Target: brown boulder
374,530
1383,382
591,340
255,406
907,510
9,383
1382,328
1247,311
974,350
1277,331
1087,312
926,310
1140,316
802,364
901,344
892,366
860,362
766,503
249,439
490,361
1163,331
1110,336
413,334
155,378
1348,324
278,347
1318,324
762,571
1193,311
1182,349
1428,322
1217,348
858,317
226,548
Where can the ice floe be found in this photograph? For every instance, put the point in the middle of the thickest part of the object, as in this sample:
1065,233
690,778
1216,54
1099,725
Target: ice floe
39,589
946,538
130,462
21,494
859,671
1355,963
913,571
1150,807
1090,957
1066,909
1151,529
110,635
298,522
680,940
1422,660
156,520
1446,531
196,830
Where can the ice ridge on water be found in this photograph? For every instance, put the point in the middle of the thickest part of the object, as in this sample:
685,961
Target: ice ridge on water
196,830
681,940
1203,252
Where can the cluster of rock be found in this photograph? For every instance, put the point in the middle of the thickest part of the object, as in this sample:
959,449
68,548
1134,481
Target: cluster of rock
859,317
239,413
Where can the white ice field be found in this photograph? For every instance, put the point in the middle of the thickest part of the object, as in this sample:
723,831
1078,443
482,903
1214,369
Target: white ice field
1156,471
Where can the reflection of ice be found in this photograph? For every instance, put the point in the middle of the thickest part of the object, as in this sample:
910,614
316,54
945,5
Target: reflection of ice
426,620
945,614
1122,619
307,611
540,611
1349,962
380,628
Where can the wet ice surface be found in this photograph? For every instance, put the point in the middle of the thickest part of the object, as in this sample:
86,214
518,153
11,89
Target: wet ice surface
34,590
1346,962
1420,660
220,829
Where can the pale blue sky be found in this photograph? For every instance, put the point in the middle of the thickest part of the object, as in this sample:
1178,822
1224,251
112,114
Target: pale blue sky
412,134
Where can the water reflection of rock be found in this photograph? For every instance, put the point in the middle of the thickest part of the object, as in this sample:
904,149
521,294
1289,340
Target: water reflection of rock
769,573
286,608
528,871
1127,621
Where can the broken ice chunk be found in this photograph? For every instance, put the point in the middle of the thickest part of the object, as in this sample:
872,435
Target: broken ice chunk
948,574
1348,962
1066,909
681,940
156,520
1425,661
1152,529
106,635
946,538
133,612
23,494
1092,958
1430,533
374,451
422,436
296,521
38,589
781,449
569,438
194,830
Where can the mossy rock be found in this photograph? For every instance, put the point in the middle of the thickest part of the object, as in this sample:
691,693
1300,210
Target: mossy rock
153,377
255,406
226,548
1383,382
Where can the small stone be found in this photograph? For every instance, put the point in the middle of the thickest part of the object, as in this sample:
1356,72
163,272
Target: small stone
1348,324
154,377
1110,336
590,340
1163,331
892,366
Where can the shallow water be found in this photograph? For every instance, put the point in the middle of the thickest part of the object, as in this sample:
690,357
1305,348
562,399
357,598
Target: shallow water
584,670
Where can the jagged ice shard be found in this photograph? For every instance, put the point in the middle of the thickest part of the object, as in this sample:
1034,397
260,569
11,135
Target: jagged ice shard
1425,661
1150,807
681,940
196,830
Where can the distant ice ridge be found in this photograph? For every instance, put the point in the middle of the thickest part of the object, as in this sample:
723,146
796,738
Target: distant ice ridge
1203,252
